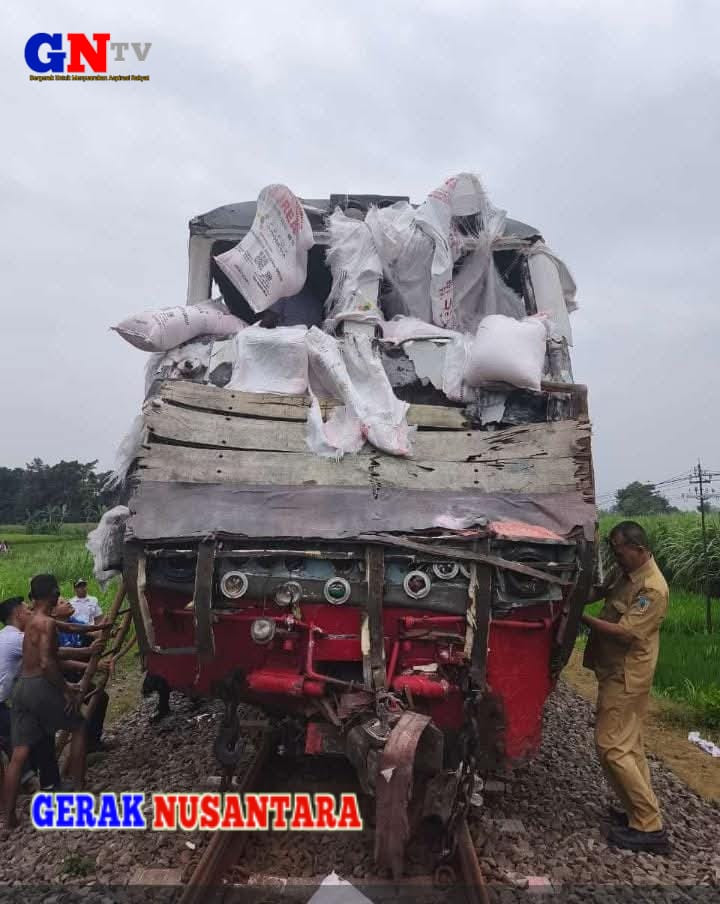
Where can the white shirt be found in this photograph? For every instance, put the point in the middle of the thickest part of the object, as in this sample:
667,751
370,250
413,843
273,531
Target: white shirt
11,643
87,609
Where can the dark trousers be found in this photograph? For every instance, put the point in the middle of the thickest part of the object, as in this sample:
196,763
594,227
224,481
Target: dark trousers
42,755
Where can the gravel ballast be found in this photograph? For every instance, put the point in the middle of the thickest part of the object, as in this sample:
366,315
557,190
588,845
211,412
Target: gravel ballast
540,831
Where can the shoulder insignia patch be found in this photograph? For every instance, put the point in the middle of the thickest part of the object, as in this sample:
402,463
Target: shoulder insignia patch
642,603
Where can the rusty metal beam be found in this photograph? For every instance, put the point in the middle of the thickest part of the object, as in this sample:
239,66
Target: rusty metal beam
375,572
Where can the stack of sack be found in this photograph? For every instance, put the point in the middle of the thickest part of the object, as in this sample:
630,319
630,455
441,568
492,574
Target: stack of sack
407,275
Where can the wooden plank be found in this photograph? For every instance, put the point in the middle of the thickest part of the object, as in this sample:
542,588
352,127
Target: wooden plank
178,463
135,584
292,408
375,570
213,429
204,637
481,589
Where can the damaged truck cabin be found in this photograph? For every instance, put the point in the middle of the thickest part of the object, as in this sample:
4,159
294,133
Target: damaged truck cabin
368,601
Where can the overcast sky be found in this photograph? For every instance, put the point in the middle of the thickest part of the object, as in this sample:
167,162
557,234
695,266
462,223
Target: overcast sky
597,123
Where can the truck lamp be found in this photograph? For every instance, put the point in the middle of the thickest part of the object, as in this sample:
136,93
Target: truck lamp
262,630
288,594
337,591
417,585
233,585
446,571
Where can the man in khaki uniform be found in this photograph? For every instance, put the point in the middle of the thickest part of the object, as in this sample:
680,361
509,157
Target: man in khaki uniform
622,651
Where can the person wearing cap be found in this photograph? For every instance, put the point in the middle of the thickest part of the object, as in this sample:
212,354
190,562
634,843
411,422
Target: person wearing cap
86,608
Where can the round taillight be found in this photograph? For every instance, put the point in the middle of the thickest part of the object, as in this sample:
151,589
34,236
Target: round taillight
233,585
337,591
417,584
446,571
288,594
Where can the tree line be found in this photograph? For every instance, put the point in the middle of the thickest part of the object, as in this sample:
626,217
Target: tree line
43,495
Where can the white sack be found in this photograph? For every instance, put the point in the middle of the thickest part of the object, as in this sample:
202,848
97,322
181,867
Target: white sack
271,361
105,544
547,283
356,271
406,254
354,375
271,261
459,196
161,330
383,415
508,351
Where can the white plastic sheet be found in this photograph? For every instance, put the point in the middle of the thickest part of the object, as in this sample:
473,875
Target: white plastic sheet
272,361
105,544
127,452
166,328
356,271
508,351
271,261
551,294
406,253
479,290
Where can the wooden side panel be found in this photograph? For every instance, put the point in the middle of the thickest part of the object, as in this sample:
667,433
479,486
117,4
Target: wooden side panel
551,474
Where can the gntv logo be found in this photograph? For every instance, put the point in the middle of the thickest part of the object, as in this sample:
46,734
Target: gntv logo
75,57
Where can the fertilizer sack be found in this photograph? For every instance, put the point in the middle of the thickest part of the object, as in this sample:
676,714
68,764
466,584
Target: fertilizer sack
161,330
506,350
271,360
271,261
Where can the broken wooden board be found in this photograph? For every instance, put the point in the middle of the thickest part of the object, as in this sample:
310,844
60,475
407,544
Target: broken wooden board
289,408
184,426
550,474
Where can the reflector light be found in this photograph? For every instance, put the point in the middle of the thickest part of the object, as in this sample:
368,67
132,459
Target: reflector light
233,584
262,630
417,584
288,594
446,571
337,591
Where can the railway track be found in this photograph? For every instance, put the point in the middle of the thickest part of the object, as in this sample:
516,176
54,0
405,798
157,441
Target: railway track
224,853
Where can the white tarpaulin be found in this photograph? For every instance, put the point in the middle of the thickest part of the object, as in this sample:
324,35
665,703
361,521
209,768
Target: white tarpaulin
271,361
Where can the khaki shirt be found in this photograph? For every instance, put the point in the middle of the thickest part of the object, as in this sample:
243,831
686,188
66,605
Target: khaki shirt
638,601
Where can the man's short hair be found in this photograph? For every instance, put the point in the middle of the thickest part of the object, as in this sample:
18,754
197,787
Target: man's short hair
43,586
632,534
8,606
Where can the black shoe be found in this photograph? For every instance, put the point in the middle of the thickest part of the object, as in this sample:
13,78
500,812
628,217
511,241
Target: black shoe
617,817
634,840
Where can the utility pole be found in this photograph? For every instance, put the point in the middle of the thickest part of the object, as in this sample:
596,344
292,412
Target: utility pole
700,482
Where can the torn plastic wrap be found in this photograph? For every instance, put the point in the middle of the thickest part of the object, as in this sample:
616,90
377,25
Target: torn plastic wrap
356,271
479,289
271,260
406,253
460,196
105,544
127,452
272,361
554,290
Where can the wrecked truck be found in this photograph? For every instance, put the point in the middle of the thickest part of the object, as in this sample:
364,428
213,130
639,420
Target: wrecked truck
403,611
